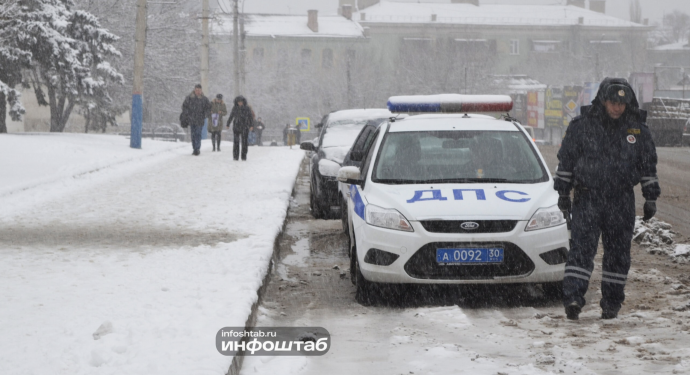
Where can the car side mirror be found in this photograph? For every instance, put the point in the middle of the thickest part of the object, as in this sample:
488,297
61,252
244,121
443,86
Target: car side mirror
350,175
307,146
357,155
319,125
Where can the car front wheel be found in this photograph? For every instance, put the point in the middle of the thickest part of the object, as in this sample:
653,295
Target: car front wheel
343,213
366,290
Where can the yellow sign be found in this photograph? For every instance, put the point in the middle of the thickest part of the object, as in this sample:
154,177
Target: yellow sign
572,106
303,124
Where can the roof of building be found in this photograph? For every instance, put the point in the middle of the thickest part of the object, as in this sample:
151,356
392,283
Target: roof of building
291,26
518,84
392,11
683,45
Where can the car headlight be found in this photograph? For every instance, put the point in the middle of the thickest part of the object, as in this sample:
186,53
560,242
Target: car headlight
545,218
328,168
387,218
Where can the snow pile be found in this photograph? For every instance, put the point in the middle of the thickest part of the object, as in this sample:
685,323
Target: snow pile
132,269
51,157
657,237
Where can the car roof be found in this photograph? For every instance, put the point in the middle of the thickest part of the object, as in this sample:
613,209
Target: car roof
440,122
359,114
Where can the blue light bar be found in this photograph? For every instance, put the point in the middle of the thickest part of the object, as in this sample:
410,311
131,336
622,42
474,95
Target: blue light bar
450,103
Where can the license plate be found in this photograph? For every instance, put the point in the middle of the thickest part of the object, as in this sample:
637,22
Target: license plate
469,255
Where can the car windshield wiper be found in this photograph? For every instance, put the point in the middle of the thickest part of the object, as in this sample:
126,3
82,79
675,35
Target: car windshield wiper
396,181
465,180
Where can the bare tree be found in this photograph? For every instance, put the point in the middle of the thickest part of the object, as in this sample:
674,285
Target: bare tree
678,23
635,11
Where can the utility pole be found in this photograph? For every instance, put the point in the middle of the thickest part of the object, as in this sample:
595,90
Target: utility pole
204,59
204,47
138,87
236,47
243,54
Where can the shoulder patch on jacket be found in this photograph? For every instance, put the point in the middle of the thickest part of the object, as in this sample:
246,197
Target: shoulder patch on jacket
633,131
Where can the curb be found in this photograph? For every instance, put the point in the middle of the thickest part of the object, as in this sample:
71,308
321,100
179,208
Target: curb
237,361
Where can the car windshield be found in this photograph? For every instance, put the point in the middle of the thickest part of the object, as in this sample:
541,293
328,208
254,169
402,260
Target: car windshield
457,157
342,133
356,121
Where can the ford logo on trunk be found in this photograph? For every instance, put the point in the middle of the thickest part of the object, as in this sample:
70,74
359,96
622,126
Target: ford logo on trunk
469,225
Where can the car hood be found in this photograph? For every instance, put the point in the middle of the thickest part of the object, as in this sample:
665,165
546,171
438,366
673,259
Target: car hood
336,154
464,201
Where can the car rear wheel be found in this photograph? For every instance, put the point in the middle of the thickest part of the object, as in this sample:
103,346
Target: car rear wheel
316,210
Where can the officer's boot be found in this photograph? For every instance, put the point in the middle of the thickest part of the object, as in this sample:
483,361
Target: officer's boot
572,311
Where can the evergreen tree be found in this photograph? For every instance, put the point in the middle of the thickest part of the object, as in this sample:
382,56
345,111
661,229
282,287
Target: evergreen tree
69,49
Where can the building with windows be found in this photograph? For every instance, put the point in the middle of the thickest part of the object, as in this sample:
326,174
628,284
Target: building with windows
375,49
554,44
309,58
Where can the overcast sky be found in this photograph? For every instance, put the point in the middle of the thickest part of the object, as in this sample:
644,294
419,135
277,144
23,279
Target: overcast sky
652,9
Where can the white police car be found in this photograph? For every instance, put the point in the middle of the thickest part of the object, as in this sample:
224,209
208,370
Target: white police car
453,198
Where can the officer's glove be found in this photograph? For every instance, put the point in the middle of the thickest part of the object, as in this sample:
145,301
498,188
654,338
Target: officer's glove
564,203
649,210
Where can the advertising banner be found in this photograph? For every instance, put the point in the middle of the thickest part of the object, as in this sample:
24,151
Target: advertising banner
571,103
589,92
553,111
535,109
519,111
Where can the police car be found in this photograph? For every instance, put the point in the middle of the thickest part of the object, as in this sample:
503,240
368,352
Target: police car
452,195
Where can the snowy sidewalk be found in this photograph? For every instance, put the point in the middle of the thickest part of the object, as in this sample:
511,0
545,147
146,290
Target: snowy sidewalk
167,249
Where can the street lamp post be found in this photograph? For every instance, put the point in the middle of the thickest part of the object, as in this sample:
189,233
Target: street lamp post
138,82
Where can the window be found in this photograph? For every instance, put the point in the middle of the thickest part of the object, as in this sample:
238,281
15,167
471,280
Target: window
546,46
475,47
370,155
258,55
515,47
327,58
306,57
351,56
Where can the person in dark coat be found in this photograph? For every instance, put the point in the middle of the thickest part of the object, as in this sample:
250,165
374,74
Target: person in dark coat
286,130
259,129
605,153
215,120
242,119
196,108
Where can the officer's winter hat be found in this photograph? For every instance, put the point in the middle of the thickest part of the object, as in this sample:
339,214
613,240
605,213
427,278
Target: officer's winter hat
219,96
617,90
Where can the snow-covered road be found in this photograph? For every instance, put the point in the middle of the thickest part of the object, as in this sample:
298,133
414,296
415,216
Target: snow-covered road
161,249
468,331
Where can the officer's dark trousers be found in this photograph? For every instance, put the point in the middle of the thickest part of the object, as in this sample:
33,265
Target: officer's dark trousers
196,136
613,217
215,139
236,144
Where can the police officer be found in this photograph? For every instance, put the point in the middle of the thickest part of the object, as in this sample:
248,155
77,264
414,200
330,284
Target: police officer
605,153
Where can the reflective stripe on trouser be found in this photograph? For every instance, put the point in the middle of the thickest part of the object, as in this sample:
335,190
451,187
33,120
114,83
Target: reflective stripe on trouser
613,218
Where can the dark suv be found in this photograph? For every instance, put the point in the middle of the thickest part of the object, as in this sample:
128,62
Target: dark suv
338,132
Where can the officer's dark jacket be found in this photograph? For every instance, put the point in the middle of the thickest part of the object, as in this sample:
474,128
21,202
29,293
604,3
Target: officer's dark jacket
196,109
606,155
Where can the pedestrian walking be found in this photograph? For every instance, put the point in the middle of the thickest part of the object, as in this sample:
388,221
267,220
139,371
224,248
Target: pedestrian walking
259,128
605,153
286,130
242,119
215,120
195,109
298,133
